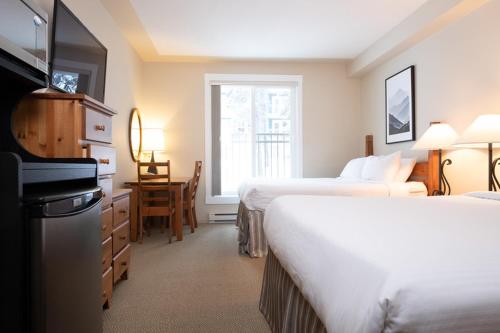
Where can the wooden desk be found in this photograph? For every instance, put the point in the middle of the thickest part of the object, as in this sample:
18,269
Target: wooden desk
178,185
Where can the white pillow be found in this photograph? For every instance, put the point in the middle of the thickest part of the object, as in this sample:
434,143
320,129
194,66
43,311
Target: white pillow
405,169
382,168
353,168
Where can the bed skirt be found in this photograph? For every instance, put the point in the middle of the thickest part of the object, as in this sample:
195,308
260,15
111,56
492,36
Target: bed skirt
251,238
282,303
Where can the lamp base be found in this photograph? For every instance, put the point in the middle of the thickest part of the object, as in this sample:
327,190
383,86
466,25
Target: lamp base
444,185
152,169
493,183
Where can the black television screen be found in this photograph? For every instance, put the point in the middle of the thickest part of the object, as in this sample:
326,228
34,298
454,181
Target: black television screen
78,60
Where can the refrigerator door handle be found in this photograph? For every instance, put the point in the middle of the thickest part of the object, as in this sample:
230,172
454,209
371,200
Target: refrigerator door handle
77,205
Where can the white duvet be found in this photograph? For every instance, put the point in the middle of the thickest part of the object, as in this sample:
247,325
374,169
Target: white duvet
257,194
392,264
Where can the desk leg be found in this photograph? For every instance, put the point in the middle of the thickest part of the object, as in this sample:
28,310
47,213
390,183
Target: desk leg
178,211
133,213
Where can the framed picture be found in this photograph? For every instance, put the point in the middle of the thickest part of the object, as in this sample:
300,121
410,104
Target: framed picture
400,106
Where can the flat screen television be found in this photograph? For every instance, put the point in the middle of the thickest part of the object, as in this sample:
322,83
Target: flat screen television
78,59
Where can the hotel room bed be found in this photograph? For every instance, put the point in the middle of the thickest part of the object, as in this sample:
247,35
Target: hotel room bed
382,264
255,195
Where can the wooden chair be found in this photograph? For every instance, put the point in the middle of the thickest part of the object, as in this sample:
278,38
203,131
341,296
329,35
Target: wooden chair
155,199
190,196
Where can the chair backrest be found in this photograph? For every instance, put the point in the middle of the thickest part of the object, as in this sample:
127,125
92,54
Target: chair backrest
193,187
148,183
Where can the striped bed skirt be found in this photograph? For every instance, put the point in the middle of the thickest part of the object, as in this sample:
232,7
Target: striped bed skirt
251,238
282,303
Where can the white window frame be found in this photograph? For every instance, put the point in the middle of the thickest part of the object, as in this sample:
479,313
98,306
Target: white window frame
250,79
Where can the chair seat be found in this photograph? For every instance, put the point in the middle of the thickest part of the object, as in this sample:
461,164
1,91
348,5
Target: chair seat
157,211
157,199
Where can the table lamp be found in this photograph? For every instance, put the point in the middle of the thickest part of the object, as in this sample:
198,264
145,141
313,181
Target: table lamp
438,136
153,140
483,133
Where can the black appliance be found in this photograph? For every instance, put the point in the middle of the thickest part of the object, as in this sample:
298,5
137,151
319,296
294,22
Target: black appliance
23,32
78,59
41,199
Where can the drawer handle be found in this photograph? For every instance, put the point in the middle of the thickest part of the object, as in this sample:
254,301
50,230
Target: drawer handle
100,128
123,237
104,161
123,263
123,211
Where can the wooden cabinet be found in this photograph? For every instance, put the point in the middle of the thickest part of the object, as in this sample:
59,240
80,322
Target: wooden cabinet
121,210
115,233
107,288
106,223
75,125
62,125
98,126
121,234
107,254
121,237
107,196
120,264
105,156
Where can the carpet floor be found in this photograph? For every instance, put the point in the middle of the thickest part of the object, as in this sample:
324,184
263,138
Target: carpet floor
198,285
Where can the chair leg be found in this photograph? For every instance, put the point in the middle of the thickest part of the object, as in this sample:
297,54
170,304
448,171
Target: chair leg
190,219
195,218
141,228
169,229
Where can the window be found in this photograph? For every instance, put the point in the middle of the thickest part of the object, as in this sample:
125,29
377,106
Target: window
253,129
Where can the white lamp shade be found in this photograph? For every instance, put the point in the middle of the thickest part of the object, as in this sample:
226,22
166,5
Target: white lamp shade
483,130
153,139
437,136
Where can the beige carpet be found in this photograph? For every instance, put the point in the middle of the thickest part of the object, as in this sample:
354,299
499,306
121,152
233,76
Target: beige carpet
198,285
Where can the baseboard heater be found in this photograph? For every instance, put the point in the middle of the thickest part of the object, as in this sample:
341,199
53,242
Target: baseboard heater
221,217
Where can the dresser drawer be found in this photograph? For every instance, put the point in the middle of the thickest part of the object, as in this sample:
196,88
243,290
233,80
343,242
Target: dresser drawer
121,237
107,254
121,264
98,126
106,158
107,287
121,211
107,189
106,223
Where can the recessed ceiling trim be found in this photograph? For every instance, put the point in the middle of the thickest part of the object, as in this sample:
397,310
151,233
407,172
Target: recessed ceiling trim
260,30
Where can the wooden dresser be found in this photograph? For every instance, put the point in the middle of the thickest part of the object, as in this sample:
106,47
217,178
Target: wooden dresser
115,243
75,125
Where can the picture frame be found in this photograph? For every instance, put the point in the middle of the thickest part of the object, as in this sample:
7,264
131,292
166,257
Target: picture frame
400,106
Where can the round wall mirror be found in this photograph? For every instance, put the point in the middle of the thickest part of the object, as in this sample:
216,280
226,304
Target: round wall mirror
135,134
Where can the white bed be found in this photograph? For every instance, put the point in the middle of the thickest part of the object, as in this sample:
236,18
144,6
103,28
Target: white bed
257,194
392,264
374,176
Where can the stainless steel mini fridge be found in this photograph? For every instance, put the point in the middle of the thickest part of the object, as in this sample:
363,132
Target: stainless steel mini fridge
65,262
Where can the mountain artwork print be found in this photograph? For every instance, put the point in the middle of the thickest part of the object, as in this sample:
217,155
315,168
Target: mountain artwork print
400,113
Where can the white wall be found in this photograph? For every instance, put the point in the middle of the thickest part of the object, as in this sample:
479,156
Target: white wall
173,97
457,78
124,72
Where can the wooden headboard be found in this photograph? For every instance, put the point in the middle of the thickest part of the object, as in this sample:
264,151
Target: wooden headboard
425,172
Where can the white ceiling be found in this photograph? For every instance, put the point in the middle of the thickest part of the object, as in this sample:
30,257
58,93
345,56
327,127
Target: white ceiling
281,29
